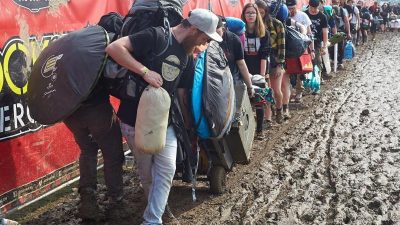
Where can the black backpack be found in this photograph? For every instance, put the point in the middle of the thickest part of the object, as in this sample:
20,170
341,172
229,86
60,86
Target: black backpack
152,13
120,82
338,13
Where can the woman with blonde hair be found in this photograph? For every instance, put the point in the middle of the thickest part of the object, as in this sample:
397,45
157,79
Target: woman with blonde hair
256,50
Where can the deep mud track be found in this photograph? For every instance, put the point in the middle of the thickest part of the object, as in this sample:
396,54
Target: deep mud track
337,161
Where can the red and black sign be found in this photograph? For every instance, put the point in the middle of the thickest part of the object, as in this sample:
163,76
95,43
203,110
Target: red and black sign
33,6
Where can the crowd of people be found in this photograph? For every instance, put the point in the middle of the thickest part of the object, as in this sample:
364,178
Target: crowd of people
320,21
262,51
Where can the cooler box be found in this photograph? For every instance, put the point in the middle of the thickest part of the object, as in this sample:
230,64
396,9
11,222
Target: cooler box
241,135
394,24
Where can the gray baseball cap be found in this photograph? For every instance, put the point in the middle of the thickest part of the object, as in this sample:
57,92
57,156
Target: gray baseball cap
205,21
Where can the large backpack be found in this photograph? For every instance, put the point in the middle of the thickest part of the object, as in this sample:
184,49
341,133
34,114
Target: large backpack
338,14
143,14
365,19
152,13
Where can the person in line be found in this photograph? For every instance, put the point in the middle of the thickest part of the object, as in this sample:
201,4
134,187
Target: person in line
234,52
95,126
319,28
256,49
302,18
354,19
385,11
365,24
343,25
277,57
172,70
376,20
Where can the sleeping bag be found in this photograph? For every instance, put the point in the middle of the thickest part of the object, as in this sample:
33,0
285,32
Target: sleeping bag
213,94
65,74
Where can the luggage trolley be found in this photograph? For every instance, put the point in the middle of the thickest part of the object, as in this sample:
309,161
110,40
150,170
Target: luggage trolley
234,147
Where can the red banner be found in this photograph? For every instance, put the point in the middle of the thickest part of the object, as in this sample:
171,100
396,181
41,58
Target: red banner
35,159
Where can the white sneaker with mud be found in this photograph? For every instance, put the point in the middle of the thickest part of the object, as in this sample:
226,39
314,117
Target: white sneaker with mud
8,222
298,97
286,115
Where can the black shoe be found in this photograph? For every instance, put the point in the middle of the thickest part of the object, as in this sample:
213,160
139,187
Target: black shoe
117,209
279,116
88,209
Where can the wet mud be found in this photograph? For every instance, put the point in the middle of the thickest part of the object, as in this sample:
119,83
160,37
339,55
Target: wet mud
337,161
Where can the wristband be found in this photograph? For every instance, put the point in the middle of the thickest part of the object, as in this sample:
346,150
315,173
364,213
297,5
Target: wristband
145,71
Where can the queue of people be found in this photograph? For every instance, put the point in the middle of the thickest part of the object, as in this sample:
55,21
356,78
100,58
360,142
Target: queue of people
95,125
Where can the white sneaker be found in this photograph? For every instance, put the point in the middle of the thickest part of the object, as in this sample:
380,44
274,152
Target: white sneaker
298,97
8,222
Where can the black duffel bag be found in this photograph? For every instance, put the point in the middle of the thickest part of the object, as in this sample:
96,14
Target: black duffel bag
296,42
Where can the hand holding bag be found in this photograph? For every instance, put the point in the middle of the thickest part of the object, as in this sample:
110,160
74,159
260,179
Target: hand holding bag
300,65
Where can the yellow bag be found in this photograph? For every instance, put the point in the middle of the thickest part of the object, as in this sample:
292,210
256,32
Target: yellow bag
152,120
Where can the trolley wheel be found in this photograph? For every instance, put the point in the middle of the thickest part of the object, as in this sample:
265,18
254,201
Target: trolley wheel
217,180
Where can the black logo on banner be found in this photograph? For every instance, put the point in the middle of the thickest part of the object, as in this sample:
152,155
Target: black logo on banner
33,5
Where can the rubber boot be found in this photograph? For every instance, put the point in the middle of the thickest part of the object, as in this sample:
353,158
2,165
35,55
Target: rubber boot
117,209
279,116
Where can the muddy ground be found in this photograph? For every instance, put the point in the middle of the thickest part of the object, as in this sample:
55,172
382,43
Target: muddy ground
337,161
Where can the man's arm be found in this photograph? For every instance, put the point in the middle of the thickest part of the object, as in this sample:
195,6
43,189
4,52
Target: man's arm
347,26
121,51
245,74
358,19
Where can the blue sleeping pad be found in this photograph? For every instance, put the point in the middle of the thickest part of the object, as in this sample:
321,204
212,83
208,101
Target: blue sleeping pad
202,127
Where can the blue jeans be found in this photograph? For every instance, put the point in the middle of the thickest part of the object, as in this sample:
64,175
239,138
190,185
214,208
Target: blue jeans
156,173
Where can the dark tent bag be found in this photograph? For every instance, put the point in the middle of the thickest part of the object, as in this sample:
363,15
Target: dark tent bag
218,95
296,42
65,74
152,13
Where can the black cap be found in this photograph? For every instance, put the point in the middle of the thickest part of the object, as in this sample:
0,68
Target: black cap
314,3
291,3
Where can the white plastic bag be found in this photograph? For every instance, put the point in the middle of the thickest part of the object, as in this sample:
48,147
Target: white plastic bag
326,61
152,120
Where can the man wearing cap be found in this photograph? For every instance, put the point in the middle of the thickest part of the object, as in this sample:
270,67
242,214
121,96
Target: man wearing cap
319,28
173,70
